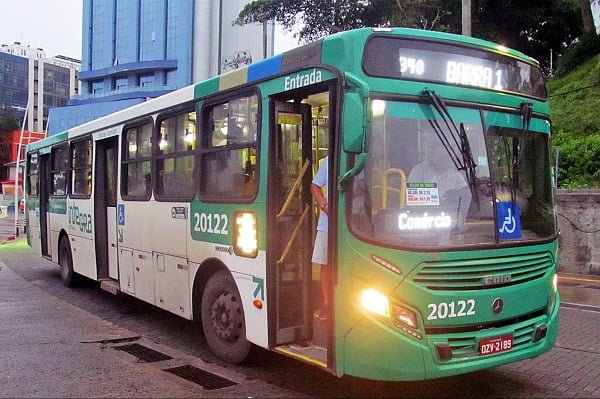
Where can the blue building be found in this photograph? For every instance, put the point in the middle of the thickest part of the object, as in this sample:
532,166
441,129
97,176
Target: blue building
138,49
31,80
14,77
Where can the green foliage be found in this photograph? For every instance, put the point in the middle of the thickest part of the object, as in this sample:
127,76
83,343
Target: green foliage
8,123
577,54
579,161
323,17
533,27
574,104
575,100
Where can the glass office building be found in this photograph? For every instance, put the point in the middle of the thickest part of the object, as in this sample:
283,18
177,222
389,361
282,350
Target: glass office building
138,49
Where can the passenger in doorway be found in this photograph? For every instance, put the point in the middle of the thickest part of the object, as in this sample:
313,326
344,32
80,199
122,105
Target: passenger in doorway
320,250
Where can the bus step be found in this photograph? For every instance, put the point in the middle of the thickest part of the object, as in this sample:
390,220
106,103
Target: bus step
111,286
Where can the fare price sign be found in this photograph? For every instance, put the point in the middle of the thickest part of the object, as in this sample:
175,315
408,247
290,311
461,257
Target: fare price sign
454,64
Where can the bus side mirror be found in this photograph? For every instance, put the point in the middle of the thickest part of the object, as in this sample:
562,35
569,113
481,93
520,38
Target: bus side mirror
356,117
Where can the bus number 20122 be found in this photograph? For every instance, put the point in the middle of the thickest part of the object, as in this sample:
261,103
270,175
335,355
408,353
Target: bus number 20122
450,310
212,223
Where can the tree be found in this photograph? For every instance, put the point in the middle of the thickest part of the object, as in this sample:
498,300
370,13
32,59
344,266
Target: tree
534,27
323,17
8,123
588,19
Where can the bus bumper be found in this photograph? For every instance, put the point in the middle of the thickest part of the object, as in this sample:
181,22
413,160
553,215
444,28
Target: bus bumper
376,351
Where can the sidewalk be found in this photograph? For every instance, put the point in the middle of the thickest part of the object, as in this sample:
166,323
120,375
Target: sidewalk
50,348
579,291
7,227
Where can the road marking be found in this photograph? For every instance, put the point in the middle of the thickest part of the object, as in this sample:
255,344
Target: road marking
587,280
580,306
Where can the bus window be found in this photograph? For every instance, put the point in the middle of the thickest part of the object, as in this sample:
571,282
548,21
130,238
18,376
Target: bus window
59,170
229,162
32,175
81,161
137,177
175,159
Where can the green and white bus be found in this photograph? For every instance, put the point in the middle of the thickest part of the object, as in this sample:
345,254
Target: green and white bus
442,229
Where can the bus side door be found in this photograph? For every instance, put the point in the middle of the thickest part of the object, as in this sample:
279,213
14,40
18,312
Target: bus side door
291,217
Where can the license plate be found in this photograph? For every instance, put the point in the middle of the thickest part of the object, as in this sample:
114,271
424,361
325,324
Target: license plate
489,346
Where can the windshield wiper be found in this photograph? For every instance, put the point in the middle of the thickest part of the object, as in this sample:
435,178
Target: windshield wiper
463,159
511,163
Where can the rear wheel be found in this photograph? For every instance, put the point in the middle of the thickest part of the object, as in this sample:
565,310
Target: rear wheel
223,319
67,275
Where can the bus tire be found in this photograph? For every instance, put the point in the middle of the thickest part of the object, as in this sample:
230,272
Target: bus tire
223,319
65,260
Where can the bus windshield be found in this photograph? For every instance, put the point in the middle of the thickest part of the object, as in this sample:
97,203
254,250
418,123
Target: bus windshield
424,185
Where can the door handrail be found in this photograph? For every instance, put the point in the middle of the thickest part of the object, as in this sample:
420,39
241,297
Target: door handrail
293,236
294,188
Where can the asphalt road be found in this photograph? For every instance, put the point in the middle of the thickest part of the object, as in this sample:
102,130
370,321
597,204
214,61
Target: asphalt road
571,369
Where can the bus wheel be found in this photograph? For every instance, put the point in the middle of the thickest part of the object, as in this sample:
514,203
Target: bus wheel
223,319
67,275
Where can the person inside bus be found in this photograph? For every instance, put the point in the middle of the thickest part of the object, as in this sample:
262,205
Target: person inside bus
453,188
319,191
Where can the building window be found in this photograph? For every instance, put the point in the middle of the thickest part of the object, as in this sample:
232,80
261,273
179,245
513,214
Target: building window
146,80
229,159
97,86
120,83
32,175
81,161
137,170
175,159
59,170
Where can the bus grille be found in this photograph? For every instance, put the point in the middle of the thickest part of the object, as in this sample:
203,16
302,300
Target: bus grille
479,274
465,346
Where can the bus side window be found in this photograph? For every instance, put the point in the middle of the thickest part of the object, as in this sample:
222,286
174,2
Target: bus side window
137,178
229,161
175,158
81,169
60,170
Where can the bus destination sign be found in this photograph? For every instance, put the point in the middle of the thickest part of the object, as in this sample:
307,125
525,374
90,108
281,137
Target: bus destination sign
451,64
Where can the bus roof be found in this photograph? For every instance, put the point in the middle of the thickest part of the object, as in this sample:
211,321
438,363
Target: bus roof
271,67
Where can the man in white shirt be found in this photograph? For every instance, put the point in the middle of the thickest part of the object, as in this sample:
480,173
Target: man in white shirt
320,250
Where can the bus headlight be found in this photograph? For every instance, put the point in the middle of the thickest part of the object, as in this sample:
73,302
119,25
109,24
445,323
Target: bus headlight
405,316
245,234
552,298
375,302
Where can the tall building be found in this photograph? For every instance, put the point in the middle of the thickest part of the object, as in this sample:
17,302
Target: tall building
28,78
133,50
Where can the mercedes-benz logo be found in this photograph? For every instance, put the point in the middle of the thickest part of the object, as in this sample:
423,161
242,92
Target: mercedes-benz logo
497,306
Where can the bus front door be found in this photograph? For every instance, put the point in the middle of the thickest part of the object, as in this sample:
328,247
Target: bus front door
105,208
291,219
44,202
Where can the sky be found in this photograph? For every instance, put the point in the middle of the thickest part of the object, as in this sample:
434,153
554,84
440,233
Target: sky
54,25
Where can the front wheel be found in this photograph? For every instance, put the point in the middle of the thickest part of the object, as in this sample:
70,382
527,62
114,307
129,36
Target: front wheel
223,319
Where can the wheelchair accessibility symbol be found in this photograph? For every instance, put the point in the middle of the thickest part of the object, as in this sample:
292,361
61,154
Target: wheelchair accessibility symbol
509,220
121,215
